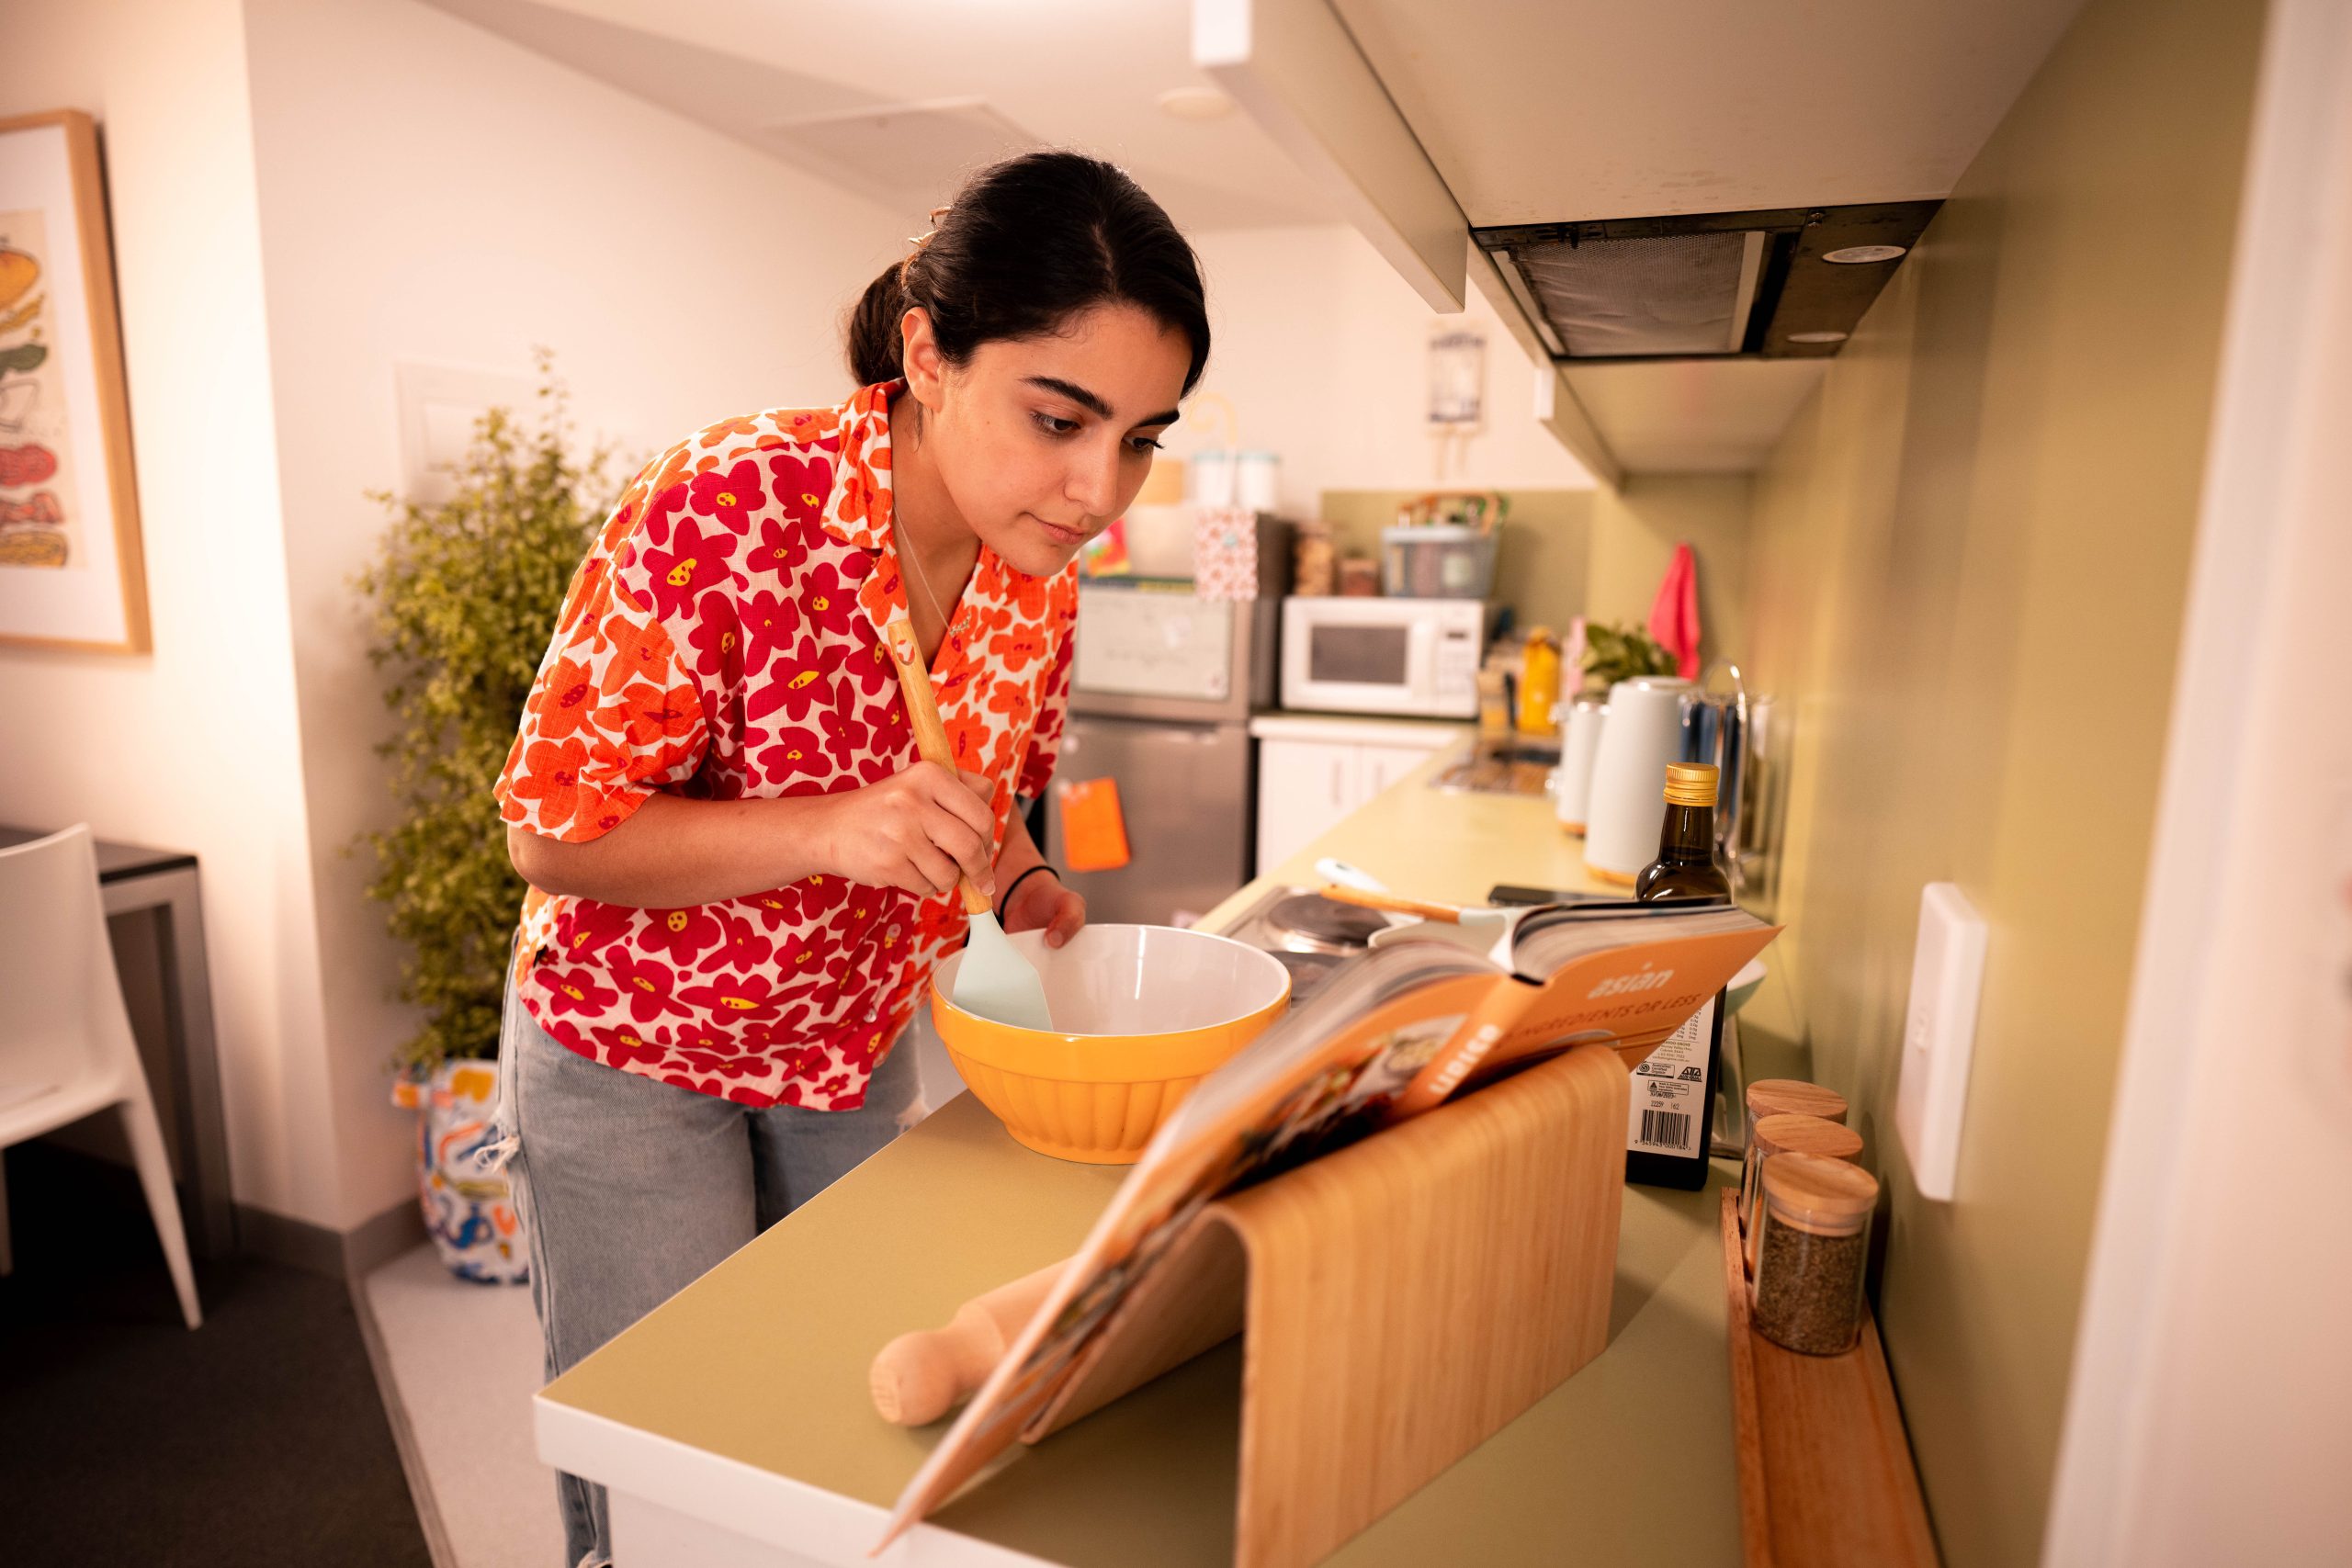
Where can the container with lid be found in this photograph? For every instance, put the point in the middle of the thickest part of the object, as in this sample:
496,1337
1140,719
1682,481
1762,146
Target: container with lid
1813,1238
1793,1096
1780,1134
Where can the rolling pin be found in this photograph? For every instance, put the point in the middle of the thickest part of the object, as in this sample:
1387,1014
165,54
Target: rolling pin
919,1377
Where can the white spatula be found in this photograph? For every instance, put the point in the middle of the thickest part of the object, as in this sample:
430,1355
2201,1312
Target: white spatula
994,981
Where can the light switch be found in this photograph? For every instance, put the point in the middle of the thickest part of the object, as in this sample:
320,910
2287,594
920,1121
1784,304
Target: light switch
1940,1036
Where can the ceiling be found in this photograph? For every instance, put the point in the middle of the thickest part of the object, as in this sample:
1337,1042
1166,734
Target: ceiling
899,98
1570,110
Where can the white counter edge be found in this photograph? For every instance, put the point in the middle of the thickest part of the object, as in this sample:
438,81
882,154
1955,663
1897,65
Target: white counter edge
758,1503
1340,729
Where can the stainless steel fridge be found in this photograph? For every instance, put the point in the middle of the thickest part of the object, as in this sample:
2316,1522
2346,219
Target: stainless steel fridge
1161,690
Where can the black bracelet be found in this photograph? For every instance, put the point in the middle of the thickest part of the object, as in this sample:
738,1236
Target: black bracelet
1006,900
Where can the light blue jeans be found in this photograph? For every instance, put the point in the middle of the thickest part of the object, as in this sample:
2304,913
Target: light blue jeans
628,1189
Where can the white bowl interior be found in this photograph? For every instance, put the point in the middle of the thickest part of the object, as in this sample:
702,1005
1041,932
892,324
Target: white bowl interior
1112,979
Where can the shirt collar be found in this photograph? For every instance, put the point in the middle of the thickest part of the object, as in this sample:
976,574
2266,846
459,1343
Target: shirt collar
858,511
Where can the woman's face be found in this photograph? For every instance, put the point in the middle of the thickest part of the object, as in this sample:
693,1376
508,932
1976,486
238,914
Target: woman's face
1041,443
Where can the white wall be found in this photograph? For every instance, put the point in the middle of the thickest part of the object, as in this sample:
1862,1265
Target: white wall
1324,353
430,192
194,745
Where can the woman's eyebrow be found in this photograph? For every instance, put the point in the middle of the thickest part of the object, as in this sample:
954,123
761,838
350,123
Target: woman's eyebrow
1089,401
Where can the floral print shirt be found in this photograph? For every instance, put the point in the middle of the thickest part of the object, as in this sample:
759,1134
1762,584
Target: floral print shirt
722,641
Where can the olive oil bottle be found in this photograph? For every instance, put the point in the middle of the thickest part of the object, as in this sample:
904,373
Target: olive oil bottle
1672,1117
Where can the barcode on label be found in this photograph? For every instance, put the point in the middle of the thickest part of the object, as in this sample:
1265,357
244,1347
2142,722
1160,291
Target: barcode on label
1665,1129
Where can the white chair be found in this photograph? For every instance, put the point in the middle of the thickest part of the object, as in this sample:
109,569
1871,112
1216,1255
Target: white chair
65,1045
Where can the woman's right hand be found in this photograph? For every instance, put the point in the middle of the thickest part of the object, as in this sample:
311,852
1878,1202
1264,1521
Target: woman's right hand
917,830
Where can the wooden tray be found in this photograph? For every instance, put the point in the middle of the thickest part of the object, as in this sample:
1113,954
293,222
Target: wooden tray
1825,1477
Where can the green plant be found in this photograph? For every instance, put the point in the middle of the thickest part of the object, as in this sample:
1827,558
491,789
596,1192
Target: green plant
461,598
1619,653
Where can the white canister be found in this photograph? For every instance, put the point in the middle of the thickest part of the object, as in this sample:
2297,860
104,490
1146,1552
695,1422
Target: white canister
1627,803
1209,476
1579,742
1257,480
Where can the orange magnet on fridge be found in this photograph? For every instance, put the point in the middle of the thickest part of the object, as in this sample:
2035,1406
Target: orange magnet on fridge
1094,831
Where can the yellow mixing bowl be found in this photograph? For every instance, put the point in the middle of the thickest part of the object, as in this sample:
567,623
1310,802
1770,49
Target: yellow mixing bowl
1142,1014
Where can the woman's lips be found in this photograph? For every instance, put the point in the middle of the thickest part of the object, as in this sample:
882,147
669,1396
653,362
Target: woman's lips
1058,534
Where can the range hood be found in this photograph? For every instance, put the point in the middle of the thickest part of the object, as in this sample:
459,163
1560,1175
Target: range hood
1790,283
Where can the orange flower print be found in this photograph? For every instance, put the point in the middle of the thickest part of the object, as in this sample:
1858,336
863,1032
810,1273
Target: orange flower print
641,651
646,717
729,495
725,429
549,779
564,701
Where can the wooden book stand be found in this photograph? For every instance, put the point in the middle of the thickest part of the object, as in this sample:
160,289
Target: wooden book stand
1402,1300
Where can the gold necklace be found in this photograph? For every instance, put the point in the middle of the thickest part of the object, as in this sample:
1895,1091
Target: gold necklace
923,578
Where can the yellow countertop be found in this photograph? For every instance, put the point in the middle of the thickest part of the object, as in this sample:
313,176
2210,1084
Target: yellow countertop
744,1400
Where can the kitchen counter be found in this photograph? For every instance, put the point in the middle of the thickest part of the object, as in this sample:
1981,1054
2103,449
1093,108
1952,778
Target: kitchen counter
734,1427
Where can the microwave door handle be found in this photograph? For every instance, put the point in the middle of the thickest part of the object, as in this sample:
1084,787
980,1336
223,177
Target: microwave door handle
1420,658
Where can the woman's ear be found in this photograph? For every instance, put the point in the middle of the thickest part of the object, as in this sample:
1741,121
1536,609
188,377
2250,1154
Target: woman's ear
919,353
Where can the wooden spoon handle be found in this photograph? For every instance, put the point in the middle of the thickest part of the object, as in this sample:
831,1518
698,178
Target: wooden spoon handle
931,735
919,1377
1340,894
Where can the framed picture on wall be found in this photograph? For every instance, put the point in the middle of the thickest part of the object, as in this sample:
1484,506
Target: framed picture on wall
70,571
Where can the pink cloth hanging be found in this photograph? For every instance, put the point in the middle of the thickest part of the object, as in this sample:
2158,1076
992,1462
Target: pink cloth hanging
1674,613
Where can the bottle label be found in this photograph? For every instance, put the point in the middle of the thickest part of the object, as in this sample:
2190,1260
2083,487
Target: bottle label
1670,1090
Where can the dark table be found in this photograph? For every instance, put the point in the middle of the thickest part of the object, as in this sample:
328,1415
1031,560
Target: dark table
138,882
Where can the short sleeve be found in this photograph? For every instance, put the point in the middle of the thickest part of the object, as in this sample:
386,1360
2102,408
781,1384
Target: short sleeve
1045,736
613,715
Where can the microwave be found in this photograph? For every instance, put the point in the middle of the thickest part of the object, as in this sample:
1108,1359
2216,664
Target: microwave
1417,658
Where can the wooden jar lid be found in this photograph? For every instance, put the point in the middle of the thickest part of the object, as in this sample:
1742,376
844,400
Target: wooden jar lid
1819,1188
1794,1097
1784,1134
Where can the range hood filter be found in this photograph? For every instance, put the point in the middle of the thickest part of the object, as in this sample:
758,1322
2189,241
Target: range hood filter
1679,294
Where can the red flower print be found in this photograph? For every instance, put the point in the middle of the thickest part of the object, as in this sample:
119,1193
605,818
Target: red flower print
868,664
679,935
828,601
621,1046
844,734
801,485
717,641
696,560
672,499
797,753
741,945
587,927
775,909
888,735
648,986
646,717
783,544
575,990
743,1094
739,998
800,681
551,779
727,495
769,621
563,700
800,962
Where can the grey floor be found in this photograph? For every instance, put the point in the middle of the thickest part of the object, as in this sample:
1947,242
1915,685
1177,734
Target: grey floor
465,1361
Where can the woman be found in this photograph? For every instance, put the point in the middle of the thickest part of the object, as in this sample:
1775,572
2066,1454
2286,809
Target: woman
743,877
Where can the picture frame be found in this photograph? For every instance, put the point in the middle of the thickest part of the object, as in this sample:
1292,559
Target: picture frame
71,570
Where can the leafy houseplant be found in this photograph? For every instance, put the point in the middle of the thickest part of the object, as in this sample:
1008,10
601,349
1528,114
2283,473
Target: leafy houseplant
1614,653
462,597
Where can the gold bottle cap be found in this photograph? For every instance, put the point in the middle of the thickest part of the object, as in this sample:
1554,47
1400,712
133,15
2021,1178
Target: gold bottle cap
1690,784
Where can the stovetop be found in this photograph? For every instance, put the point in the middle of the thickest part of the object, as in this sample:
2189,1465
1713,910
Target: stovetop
1308,934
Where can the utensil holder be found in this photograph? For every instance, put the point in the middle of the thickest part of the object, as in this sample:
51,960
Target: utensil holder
1402,1299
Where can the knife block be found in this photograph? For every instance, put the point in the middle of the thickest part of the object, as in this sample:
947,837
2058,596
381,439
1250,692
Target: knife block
1401,1300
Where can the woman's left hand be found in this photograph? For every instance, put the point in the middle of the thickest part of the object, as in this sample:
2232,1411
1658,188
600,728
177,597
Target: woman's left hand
1042,900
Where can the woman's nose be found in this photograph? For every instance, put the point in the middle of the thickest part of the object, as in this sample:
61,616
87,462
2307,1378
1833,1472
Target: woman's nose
1094,482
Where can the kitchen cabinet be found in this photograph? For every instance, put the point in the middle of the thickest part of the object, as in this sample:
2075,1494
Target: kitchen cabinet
1312,771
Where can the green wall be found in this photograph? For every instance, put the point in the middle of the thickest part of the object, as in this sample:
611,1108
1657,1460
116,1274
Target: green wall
1967,565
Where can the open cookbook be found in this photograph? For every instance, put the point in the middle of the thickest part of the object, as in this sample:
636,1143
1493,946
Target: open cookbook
1391,1033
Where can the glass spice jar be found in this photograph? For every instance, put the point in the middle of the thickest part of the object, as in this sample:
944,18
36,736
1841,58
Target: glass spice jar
1780,1134
1813,1236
